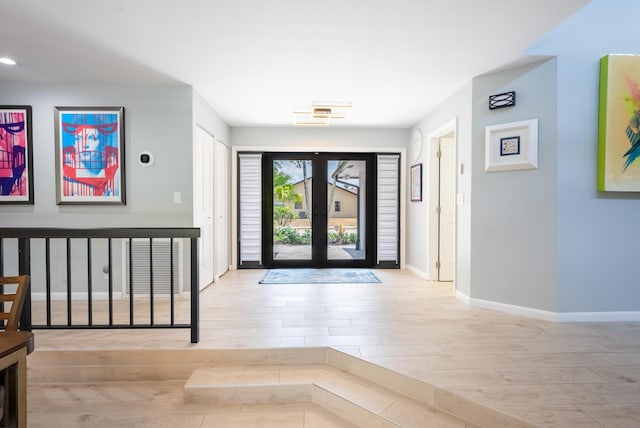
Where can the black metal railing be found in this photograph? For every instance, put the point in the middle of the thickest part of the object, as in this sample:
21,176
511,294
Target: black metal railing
81,280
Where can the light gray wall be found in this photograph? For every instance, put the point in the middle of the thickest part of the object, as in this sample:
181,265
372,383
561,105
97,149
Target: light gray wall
513,223
207,118
457,107
597,232
157,119
326,139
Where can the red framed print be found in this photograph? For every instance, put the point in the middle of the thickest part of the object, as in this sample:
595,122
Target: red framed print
16,159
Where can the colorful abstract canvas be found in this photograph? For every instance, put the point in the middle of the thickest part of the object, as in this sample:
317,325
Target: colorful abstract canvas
90,155
619,124
16,166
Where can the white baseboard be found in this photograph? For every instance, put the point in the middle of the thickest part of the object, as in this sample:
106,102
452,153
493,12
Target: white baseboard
101,295
513,309
41,297
463,297
547,315
621,316
418,272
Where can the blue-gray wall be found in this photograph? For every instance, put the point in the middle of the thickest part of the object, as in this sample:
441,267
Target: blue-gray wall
513,221
598,238
456,108
545,239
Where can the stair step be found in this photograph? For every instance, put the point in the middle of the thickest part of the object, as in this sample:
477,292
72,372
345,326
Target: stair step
302,374
356,400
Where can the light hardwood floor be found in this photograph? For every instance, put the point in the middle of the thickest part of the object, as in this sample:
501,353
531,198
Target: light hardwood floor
551,374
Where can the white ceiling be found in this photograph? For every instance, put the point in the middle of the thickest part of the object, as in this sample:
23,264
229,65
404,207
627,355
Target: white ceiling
255,60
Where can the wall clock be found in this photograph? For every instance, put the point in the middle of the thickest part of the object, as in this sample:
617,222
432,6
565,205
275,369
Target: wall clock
416,144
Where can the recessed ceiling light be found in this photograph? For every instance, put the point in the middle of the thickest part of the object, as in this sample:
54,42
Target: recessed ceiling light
7,61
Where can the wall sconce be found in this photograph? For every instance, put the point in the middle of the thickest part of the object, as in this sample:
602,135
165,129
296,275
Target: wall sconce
506,99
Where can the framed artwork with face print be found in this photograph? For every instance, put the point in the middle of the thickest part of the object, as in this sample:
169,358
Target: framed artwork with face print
90,155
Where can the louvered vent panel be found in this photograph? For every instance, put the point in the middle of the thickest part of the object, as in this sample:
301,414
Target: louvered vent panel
388,203
140,257
250,208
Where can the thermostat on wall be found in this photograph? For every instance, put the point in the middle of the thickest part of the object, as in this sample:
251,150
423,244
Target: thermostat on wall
145,159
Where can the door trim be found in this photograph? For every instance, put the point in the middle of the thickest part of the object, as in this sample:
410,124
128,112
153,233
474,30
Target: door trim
313,149
203,161
448,129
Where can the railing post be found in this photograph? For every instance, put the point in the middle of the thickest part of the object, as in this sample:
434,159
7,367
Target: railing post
24,268
195,293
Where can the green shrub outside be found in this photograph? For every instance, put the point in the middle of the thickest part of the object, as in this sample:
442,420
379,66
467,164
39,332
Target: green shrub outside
290,236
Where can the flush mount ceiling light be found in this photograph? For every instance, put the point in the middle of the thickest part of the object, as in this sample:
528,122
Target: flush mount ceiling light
320,113
7,61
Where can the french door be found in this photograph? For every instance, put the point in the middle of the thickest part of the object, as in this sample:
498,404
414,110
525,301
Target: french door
318,210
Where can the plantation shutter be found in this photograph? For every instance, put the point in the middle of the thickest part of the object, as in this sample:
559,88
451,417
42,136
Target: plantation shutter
250,197
388,208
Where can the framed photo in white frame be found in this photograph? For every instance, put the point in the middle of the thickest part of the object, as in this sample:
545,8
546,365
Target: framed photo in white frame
510,146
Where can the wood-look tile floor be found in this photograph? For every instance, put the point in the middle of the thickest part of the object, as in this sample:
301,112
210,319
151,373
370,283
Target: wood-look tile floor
551,374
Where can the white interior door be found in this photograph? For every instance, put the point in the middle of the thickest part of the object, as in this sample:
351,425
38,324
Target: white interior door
222,194
447,209
203,202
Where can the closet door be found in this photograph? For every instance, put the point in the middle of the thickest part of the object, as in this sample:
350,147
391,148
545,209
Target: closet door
221,210
203,203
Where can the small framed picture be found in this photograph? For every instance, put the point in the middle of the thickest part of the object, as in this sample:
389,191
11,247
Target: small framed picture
90,155
511,146
16,159
416,182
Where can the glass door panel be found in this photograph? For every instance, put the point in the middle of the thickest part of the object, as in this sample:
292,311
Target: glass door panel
317,209
346,209
292,205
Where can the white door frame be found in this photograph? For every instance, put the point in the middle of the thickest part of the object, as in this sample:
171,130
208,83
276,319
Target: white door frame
234,185
203,162
221,189
449,129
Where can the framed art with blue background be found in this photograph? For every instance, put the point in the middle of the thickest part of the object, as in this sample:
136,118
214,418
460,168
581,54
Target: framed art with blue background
90,155
511,145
